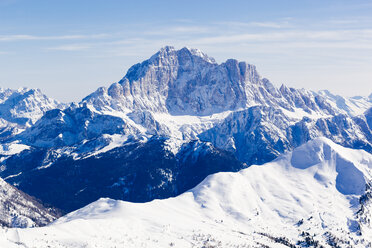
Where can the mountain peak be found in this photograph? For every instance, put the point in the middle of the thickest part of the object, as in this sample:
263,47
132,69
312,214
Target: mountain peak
184,81
167,49
189,82
169,53
198,53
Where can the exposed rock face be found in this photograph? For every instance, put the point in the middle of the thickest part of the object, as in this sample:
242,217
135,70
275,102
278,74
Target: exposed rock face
259,134
25,106
187,81
58,128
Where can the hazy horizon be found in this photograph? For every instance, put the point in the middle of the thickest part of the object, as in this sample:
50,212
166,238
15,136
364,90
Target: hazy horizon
68,49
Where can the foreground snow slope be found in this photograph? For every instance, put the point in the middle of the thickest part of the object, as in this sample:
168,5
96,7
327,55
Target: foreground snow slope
320,192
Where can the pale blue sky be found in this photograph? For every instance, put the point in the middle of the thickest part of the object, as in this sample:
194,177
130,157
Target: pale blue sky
69,48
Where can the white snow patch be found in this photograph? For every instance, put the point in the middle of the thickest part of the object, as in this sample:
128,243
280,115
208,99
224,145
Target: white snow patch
12,148
299,113
44,166
116,140
11,176
187,127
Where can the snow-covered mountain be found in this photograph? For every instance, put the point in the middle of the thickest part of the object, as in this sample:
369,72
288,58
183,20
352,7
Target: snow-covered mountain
180,94
184,93
318,195
184,106
188,82
21,108
259,134
18,209
352,105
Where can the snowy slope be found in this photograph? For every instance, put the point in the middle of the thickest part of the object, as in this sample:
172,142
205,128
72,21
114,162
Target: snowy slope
319,193
18,209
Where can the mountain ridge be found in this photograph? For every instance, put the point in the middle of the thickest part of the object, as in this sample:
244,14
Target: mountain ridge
179,82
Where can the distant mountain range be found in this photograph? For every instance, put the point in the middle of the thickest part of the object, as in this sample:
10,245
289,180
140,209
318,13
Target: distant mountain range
171,121
20,109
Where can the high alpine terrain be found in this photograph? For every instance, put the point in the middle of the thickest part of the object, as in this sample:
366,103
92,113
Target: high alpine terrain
21,108
171,121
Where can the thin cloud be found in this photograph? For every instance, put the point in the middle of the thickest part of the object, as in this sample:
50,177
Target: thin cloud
269,24
25,37
127,41
71,47
180,30
351,40
273,25
339,35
